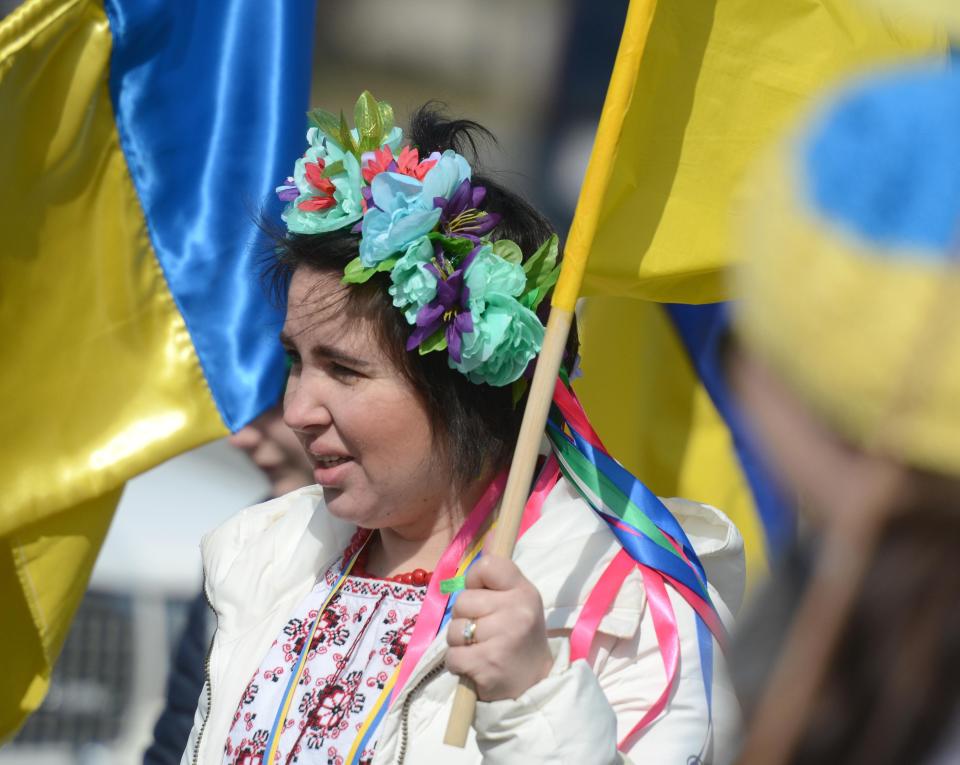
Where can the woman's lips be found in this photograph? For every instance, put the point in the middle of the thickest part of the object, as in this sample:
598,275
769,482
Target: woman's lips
330,461
330,470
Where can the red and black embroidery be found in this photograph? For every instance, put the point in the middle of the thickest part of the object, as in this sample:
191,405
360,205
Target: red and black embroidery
362,637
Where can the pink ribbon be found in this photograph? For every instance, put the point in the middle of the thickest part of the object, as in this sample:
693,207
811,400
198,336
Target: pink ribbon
668,639
600,599
435,603
664,625
572,410
541,488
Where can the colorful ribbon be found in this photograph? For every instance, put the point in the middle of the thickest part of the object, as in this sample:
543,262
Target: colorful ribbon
652,540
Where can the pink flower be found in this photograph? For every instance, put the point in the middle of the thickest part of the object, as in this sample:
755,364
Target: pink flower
379,163
324,200
408,163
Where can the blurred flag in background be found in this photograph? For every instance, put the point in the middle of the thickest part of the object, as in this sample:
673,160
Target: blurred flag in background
703,85
139,140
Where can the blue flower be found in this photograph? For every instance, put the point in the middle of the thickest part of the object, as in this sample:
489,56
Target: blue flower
445,177
398,217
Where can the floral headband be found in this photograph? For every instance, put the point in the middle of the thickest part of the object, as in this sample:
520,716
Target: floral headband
420,220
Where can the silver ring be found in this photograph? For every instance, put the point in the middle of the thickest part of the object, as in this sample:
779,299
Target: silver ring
470,632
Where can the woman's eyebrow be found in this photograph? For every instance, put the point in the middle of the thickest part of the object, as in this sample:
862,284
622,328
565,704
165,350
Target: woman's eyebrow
320,350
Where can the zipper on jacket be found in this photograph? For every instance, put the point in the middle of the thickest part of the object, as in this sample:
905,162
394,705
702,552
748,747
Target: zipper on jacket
405,712
206,681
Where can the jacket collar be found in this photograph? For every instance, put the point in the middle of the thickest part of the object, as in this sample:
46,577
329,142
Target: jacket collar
268,554
256,561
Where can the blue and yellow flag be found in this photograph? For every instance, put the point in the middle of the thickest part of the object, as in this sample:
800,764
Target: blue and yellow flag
698,87
139,140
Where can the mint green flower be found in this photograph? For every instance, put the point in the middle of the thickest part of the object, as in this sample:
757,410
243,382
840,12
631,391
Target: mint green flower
326,201
414,284
505,338
505,334
490,274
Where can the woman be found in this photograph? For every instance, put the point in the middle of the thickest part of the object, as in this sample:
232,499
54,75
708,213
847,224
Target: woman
412,294
848,361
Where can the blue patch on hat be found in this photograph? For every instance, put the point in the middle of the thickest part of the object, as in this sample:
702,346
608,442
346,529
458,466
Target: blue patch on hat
883,161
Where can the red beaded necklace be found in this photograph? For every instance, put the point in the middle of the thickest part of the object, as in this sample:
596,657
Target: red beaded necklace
418,577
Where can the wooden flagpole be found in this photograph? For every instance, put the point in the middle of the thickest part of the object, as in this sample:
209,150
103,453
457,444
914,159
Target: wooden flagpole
582,230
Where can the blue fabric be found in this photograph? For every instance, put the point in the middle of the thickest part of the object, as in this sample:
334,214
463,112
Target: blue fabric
881,163
210,100
701,328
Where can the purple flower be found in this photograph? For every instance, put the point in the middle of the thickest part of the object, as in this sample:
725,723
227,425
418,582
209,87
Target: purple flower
288,191
449,308
461,215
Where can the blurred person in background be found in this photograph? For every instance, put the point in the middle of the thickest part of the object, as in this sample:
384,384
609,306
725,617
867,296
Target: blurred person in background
275,450
847,360
412,287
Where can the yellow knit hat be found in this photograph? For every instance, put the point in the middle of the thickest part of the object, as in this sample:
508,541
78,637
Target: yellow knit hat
850,285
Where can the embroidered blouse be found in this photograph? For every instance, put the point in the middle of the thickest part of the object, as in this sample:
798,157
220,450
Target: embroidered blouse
362,637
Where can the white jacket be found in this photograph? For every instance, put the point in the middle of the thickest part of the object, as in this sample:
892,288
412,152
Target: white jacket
262,562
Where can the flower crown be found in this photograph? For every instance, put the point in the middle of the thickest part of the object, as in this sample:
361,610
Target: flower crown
420,220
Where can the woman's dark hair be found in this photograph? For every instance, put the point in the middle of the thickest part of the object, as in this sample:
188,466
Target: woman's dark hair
476,425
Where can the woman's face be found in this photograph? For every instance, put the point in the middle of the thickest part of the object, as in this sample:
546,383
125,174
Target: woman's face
364,430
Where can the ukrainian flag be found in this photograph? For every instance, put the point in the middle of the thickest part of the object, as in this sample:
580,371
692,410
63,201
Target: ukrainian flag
698,87
138,141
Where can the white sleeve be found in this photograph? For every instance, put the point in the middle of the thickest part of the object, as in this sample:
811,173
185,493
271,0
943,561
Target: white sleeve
562,719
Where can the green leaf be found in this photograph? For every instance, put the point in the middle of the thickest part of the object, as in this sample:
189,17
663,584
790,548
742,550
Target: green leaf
356,272
332,169
326,122
455,245
535,294
508,250
367,118
517,390
436,342
542,273
544,259
386,117
387,264
346,137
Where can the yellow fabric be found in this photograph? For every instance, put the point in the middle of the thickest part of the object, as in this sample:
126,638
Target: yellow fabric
44,569
716,81
603,159
651,410
697,88
946,12
879,355
99,377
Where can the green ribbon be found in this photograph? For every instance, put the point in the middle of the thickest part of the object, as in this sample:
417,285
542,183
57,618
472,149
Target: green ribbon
453,584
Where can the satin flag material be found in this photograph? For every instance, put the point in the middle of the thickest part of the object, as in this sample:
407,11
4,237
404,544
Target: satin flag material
698,87
139,140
